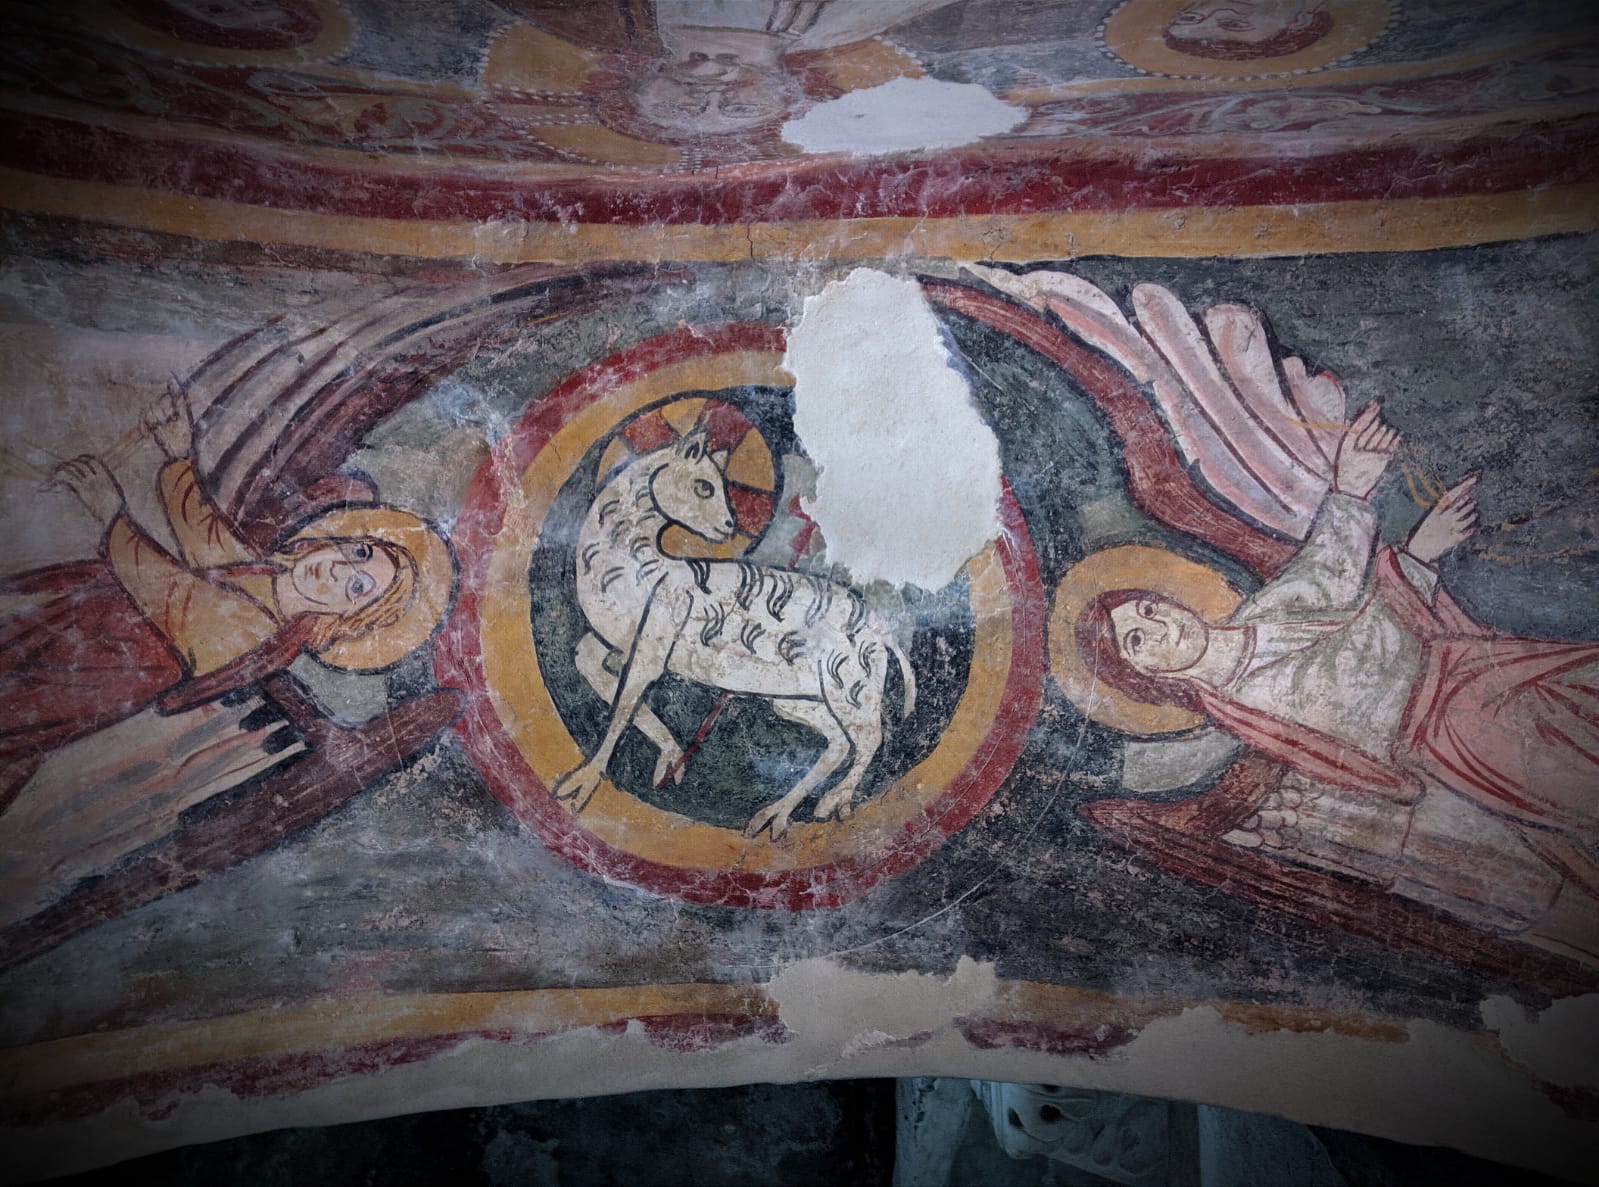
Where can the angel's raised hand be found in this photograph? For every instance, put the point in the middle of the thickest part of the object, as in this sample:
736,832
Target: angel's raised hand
1367,446
93,486
1451,522
168,421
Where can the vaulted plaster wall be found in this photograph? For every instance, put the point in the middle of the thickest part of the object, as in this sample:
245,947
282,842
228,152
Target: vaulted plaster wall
549,551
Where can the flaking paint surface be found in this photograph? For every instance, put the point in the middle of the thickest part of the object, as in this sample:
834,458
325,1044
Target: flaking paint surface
442,662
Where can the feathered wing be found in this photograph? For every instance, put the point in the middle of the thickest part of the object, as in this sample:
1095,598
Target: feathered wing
1266,450
1260,431
279,409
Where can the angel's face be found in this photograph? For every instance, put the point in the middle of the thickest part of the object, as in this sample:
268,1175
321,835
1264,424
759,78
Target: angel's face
1159,637
344,577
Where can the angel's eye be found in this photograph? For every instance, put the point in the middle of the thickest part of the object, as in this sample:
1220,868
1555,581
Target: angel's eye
1132,640
1147,609
703,488
360,586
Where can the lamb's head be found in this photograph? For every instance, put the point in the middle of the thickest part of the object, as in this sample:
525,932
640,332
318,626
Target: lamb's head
687,483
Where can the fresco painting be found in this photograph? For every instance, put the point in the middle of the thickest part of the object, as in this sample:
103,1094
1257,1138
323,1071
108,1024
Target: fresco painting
477,621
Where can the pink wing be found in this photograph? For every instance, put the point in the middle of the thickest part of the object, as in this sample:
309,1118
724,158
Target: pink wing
1265,450
1241,344
1320,400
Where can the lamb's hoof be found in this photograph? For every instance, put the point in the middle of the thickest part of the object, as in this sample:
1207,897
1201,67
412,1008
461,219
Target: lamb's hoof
578,788
834,809
668,766
767,818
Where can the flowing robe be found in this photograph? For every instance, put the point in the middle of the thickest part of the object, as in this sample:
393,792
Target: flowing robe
96,643
1369,677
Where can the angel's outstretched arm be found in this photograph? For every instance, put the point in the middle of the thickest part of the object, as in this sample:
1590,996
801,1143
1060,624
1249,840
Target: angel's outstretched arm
1451,522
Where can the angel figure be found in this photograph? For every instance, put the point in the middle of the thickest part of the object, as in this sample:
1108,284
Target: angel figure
360,587
1372,677
1350,667
204,636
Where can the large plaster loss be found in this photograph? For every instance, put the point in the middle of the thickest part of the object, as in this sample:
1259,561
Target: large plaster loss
1559,1044
909,475
434,276
902,116
841,1022
813,994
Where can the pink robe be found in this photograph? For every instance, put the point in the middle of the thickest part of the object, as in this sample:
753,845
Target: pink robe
1511,724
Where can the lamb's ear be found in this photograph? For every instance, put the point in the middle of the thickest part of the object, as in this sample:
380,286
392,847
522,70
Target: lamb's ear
719,460
691,446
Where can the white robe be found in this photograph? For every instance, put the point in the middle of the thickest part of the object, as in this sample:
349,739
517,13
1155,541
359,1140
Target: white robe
1326,652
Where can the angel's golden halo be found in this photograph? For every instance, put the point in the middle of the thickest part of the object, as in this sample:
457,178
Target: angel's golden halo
1128,566
435,583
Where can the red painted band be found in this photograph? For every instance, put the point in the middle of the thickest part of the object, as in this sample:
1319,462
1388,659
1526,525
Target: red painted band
1018,180
157,1093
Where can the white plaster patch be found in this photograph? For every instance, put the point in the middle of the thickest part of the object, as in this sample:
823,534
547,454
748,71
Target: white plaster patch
1560,1044
904,115
818,997
909,477
1437,1087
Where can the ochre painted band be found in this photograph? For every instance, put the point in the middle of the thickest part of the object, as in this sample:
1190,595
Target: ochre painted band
328,1026
1233,231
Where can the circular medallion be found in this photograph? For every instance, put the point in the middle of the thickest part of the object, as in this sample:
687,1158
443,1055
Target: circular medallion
698,763
231,32
1235,39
